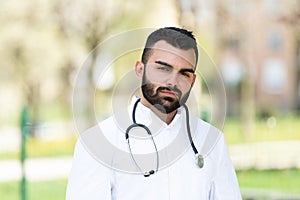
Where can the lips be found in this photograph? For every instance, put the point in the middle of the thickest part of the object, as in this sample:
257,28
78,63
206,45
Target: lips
169,93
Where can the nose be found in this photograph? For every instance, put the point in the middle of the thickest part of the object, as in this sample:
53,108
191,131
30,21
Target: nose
172,79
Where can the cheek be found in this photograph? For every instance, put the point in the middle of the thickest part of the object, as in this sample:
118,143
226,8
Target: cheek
155,78
150,85
184,85
185,91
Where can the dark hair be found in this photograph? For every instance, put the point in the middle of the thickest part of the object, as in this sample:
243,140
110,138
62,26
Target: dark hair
177,37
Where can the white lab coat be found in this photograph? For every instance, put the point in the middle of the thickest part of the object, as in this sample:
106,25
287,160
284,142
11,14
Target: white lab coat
103,169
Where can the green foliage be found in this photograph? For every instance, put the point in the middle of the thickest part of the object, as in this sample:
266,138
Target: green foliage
280,180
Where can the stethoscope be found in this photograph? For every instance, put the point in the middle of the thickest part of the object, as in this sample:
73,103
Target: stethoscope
199,157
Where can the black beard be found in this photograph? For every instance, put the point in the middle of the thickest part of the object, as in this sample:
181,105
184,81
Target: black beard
158,102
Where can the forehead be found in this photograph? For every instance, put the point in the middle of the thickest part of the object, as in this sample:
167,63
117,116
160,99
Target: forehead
163,51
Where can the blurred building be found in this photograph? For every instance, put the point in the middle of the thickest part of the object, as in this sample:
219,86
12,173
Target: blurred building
257,47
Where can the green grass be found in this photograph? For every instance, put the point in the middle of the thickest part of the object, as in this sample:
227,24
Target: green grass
286,128
45,190
283,128
262,182
279,180
42,148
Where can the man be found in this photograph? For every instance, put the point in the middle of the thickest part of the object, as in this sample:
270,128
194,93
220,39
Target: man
154,150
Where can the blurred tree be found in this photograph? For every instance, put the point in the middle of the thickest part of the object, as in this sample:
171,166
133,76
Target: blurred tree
68,63
226,14
190,13
90,25
27,57
43,42
187,13
30,85
189,16
292,21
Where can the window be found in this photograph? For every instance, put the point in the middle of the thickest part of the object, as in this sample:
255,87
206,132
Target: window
274,75
274,40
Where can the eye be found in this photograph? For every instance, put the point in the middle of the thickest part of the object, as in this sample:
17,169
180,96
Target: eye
186,74
163,68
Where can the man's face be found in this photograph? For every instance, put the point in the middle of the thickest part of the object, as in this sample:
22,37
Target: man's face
168,76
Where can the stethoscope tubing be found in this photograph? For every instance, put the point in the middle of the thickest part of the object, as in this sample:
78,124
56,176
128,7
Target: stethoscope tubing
135,125
199,158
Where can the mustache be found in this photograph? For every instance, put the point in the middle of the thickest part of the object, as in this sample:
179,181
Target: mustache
171,89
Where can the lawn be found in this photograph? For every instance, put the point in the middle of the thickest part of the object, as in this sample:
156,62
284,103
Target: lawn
280,128
45,190
280,180
270,129
44,148
274,129
263,182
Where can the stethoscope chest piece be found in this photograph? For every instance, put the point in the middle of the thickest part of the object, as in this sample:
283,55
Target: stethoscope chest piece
200,160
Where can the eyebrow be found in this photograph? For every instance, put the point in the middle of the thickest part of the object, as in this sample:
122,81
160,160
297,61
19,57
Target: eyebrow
170,66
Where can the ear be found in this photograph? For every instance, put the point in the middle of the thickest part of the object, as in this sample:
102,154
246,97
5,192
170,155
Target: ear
139,69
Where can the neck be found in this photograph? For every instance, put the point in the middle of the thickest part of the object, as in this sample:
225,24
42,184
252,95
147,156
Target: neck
166,117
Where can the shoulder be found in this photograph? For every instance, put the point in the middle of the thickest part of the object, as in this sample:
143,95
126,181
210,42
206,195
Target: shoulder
208,137
206,126
205,129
